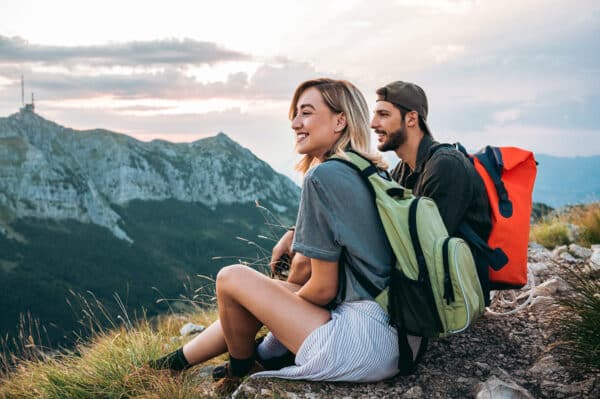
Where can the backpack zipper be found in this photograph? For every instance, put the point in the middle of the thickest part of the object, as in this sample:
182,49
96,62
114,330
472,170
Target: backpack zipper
462,291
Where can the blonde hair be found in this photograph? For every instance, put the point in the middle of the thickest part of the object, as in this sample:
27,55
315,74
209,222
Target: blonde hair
341,96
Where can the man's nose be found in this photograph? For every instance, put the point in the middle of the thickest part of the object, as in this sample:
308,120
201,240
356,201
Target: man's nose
374,123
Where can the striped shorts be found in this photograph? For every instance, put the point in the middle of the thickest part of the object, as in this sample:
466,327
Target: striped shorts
356,345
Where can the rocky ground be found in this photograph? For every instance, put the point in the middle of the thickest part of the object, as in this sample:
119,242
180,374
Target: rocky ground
515,356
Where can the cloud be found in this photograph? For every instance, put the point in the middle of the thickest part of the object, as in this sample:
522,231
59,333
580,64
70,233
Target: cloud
507,115
442,54
539,139
135,53
273,80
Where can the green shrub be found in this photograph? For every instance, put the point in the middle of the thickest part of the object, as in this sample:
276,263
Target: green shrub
550,234
551,230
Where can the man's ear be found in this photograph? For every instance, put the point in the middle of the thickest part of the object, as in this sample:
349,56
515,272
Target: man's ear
341,122
411,119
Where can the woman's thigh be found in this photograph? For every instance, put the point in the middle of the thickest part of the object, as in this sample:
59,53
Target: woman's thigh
289,317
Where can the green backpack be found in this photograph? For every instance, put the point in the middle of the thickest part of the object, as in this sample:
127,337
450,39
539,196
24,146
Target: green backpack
434,290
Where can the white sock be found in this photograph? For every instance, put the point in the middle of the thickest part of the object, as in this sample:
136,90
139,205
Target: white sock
270,347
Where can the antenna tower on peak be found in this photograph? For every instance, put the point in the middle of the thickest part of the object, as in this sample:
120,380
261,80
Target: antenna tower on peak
26,107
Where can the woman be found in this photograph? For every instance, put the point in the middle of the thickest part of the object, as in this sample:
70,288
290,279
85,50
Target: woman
331,323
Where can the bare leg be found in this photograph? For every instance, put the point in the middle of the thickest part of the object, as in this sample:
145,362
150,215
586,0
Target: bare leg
211,342
247,299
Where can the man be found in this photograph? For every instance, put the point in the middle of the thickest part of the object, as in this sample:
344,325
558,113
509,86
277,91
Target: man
443,174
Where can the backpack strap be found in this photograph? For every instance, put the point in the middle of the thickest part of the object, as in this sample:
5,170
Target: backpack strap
495,257
491,159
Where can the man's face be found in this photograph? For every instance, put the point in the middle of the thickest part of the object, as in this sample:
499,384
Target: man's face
388,125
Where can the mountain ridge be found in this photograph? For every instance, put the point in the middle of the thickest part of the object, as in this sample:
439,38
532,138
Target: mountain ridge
51,171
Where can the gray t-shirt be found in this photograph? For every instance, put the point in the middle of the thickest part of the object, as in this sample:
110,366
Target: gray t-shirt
338,221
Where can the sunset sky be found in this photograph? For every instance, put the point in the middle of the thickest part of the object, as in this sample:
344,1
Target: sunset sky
523,73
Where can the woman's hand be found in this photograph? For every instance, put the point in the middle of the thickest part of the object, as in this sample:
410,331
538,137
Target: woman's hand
283,246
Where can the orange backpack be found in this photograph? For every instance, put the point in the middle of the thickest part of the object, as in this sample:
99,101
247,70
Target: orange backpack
508,174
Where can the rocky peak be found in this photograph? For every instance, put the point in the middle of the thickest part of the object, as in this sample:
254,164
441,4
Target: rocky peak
49,171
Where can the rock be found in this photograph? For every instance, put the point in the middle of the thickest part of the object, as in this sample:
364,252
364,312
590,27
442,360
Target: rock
580,252
191,328
483,366
541,303
595,247
538,253
545,367
559,250
595,260
568,257
551,287
495,388
415,392
572,232
538,268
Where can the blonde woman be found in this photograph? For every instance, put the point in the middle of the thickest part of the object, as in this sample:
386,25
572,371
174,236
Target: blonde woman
331,323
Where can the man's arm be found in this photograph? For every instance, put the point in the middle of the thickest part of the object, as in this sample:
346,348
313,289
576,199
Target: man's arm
321,288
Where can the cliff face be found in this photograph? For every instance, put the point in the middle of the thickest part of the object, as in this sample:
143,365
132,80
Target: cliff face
49,171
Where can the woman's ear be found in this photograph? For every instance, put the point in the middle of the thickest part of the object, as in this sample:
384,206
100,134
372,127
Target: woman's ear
340,122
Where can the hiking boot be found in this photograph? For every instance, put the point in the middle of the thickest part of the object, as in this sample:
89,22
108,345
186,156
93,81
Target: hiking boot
225,382
277,362
224,371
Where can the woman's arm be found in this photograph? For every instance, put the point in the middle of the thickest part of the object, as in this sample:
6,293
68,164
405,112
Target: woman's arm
322,286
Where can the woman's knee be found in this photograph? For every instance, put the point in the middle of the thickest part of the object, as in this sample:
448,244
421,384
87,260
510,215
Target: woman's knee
231,277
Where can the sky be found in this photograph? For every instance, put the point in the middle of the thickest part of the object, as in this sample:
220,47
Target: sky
521,73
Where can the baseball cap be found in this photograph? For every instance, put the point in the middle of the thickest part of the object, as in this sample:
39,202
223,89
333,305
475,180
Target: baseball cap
408,96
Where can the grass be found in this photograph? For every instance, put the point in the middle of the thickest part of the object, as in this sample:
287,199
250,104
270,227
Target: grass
110,365
581,317
553,229
109,359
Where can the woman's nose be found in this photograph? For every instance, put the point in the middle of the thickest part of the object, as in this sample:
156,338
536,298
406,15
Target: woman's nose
296,123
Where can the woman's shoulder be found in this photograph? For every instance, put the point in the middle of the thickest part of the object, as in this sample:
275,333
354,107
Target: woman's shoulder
333,170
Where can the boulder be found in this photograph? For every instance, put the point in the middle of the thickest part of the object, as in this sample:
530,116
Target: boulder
595,260
567,257
541,303
545,368
415,392
572,232
551,287
559,250
538,268
495,388
580,252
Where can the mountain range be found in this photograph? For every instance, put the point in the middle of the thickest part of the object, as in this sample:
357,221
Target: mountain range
99,213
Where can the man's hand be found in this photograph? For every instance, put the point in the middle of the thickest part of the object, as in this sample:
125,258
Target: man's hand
283,246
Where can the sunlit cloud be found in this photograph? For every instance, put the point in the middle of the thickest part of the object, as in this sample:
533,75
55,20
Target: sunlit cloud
153,52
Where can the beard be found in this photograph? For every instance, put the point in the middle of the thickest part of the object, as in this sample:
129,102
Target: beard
394,139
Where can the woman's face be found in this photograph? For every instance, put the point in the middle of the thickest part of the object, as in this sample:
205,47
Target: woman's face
315,125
